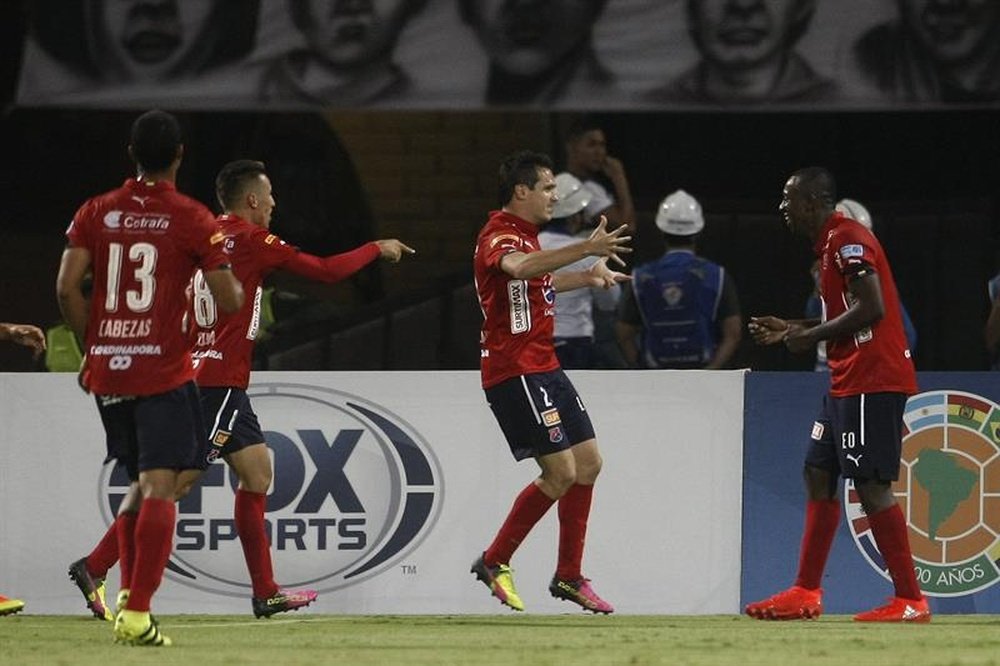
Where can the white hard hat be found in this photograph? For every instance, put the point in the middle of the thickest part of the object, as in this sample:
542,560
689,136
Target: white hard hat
854,210
573,196
680,215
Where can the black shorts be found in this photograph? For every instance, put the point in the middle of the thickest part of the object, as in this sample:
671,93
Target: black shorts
859,437
232,423
162,431
539,414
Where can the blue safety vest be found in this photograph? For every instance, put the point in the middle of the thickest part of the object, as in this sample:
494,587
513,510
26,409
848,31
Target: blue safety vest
678,297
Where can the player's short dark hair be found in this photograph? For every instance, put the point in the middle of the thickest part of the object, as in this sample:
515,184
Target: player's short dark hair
155,140
233,179
520,168
469,10
818,183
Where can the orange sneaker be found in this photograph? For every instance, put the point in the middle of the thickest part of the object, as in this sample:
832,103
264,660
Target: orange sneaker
795,603
898,610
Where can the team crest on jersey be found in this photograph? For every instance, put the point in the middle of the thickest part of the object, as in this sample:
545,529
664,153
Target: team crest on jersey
496,240
555,435
550,417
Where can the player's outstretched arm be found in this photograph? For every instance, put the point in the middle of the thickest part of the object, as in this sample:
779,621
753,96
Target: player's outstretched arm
340,266
24,334
598,275
601,243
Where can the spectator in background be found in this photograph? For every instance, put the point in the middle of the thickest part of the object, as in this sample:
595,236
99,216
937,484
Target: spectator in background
33,338
814,304
574,326
540,51
748,55
682,311
348,56
604,177
935,51
114,42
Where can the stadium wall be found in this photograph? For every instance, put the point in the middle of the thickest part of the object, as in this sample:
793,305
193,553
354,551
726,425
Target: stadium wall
387,486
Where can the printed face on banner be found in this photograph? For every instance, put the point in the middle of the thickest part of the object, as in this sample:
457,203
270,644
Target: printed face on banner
953,32
527,37
355,490
147,39
349,33
745,34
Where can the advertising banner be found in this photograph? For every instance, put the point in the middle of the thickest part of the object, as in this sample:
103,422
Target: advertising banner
387,485
949,490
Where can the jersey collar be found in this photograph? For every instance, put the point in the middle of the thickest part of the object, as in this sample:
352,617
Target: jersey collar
832,222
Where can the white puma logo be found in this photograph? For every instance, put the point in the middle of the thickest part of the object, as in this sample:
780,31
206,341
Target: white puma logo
856,461
141,200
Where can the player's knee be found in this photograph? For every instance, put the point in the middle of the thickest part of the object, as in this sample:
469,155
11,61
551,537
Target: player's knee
588,471
257,481
559,481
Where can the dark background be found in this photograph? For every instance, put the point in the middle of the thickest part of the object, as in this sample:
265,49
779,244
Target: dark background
930,179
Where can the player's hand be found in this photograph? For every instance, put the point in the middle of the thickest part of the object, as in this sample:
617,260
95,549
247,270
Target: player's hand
609,244
392,250
603,277
613,168
768,330
29,336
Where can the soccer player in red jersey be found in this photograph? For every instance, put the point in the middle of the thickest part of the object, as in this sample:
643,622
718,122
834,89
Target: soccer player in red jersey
858,434
539,411
224,351
223,354
142,242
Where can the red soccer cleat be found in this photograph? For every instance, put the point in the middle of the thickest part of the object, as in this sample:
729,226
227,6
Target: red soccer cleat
898,610
795,603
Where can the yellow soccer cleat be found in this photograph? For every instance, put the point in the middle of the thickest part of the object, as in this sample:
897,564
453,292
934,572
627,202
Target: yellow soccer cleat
139,628
500,580
92,590
10,606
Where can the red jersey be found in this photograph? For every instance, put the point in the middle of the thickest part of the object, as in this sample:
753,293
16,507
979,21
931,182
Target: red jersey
145,241
224,342
874,359
518,315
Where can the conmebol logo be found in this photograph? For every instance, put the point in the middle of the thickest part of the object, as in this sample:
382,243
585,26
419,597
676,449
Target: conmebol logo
355,490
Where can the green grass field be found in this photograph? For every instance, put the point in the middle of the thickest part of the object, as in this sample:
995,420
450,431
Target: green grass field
514,640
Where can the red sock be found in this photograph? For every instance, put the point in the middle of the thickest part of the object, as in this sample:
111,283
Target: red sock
822,520
249,514
574,509
105,554
154,535
125,528
529,507
889,529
